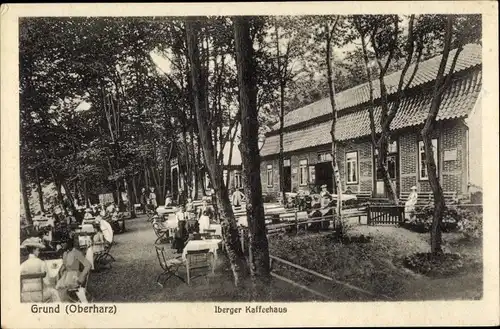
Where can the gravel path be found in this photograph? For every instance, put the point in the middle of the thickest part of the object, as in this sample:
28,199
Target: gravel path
133,274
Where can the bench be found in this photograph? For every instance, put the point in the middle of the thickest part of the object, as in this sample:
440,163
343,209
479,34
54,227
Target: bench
424,198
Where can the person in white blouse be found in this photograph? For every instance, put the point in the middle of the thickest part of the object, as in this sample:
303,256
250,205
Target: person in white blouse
410,203
181,214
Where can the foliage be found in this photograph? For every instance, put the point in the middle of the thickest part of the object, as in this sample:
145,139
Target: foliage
440,265
455,218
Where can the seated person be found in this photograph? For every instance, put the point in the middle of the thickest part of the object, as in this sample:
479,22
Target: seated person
204,222
181,214
168,200
410,204
205,207
326,197
31,288
189,206
114,221
72,277
98,241
88,214
181,236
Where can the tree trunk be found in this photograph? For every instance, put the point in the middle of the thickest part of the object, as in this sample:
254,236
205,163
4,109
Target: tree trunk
134,188
249,147
131,199
86,194
439,87
39,189
24,193
282,119
230,231
337,186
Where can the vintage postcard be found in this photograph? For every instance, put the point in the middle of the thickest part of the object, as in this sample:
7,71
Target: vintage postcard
249,164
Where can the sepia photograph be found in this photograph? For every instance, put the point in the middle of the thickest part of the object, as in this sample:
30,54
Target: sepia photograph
253,159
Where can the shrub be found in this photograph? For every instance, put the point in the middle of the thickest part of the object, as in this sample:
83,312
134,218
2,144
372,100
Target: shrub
471,225
434,265
453,215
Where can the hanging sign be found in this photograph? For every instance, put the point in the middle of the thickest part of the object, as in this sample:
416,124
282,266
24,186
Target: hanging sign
450,155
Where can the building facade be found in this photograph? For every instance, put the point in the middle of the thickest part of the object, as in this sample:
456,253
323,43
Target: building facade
457,136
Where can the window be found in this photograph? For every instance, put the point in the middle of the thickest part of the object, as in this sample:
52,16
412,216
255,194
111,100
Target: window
422,167
286,163
237,180
303,172
324,157
269,175
351,164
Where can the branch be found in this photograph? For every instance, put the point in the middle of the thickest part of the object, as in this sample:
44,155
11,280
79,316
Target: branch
447,81
419,57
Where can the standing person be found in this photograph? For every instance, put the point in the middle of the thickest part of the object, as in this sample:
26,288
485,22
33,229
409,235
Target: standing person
236,198
152,198
410,203
204,221
32,288
144,199
168,200
72,276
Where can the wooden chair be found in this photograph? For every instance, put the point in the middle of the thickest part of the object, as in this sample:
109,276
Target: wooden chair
161,233
32,295
199,263
170,267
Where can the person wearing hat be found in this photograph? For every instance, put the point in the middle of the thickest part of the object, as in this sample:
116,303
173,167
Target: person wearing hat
410,203
72,259
326,197
33,289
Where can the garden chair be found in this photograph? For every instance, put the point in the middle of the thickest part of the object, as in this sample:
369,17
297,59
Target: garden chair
170,267
199,263
104,257
73,293
162,233
33,293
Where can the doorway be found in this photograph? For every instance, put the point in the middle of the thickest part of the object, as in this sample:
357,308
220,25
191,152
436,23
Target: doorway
392,169
324,175
287,176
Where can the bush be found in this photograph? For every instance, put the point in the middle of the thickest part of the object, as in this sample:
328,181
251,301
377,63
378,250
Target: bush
471,225
434,265
453,216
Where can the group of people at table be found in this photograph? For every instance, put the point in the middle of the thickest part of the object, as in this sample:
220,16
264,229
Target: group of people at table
62,249
186,223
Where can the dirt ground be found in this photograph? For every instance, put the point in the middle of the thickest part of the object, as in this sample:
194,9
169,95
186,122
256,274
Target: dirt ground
374,266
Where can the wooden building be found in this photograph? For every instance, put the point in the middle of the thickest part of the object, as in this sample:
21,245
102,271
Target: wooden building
457,138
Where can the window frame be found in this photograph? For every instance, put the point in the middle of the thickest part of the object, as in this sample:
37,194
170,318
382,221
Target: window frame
356,182
419,160
304,167
269,169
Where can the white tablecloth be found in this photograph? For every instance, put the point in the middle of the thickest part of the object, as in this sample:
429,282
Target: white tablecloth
217,228
53,268
212,245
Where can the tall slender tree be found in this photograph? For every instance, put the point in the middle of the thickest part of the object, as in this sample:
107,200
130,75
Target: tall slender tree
230,231
259,250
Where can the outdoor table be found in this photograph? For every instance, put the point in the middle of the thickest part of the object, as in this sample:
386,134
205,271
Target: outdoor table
217,228
53,270
211,244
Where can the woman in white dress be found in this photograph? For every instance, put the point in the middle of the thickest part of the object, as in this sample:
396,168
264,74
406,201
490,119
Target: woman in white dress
410,203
